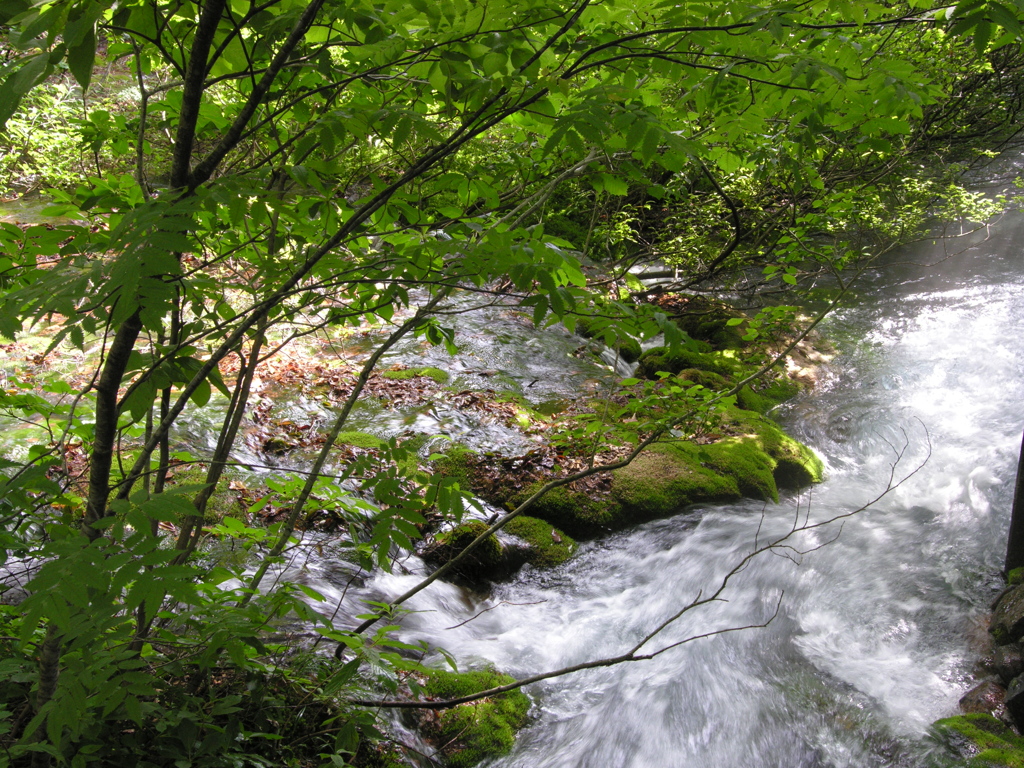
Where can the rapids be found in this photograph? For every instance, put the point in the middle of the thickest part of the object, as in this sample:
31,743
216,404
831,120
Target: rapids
875,629
879,625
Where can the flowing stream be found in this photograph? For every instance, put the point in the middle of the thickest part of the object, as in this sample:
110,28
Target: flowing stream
880,621
877,622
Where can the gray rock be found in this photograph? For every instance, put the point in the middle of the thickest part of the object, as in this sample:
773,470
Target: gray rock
986,698
1007,624
1008,661
1015,700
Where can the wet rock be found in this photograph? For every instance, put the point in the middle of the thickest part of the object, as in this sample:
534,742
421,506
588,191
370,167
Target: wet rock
469,733
980,736
499,557
1014,700
986,698
1007,624
482,563
1008,661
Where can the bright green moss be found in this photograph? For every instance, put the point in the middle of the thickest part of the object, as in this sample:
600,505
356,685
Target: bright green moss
665,479
548,546
482,563
706,379
660,359
989,740
571,511
472,732
796,465
221,504
1016,576
1010,758
457,463
745,460
359,440
410,373
763,400
629,348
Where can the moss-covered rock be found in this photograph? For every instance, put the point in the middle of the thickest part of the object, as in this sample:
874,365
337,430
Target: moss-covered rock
469,733
457,462
548,546
765,398
629,349
485,562
574,512
543,547
660,359
429,372
757,461
982,738
708,320
359,440
223,503
796,465
706,379
667,478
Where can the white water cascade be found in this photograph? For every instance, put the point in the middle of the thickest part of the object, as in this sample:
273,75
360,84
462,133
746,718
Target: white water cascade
879,627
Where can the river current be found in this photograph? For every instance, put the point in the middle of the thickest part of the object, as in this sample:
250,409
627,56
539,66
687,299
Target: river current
879,624
877,621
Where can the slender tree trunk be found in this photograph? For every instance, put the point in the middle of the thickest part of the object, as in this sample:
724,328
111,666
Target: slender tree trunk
106,422
49,672
1015,540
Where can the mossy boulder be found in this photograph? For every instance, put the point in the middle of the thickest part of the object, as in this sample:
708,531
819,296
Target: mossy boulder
708,320
468,733
547,546
764,398
983,739
457,463
795,465
706,379
629,349
543,546
359,440
757,461
485,562
223,503
661,359
436,374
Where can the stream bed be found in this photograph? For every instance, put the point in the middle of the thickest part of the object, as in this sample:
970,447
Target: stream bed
877,621
881,617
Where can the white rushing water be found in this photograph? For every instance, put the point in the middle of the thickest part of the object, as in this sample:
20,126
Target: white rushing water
879,625
878,631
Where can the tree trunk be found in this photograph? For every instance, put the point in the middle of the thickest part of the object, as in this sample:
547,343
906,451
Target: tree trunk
1015,540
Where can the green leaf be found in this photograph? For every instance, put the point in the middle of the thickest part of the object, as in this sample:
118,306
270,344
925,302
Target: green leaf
201,395
82,57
